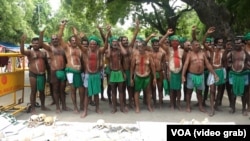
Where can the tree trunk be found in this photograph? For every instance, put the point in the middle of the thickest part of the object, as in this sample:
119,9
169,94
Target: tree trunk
212,14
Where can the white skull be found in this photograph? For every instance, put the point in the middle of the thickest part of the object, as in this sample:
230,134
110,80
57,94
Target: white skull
41,117
48,121
34,118
100,123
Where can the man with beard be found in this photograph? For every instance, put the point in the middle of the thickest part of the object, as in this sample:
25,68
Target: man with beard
159,62
126,61
238,75
93,64
57,66
73,67
216,61
116,78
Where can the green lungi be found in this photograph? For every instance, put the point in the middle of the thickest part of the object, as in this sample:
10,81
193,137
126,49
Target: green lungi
166,86
220,74
238,82
40,82
141,83
61,75
116,77
127,72
77,78
175,81
197,80
94,84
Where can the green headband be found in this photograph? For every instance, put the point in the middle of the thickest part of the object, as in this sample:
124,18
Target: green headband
182,39
174,37
154,40
247,36
139,38
112,39
96,39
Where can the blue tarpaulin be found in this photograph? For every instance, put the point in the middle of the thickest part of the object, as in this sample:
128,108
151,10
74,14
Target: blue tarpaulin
10,46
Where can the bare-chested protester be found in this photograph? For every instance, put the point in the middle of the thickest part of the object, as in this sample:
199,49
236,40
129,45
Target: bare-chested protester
142,66
93,67
174,68
37,70
216,53
57,65
73,67
194,68
159,62
116,78
238,75
126,61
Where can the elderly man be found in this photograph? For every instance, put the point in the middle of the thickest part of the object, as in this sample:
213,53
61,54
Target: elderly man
194,67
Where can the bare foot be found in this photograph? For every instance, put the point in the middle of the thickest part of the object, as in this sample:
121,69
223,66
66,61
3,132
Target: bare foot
202,110
103,99
84,114
179,107
150,109
114,111
58,111
232,111
188,110
43,108
98,111
33,111
211,113
244,113
137,110
172,108
76,110
124,110
52,103
66,109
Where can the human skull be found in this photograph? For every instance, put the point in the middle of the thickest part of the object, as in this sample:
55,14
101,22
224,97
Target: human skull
41,117
34,118
48,121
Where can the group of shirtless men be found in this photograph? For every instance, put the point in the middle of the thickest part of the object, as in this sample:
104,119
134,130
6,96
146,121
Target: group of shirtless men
166,66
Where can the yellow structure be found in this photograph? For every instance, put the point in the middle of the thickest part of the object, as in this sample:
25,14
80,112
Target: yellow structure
12,81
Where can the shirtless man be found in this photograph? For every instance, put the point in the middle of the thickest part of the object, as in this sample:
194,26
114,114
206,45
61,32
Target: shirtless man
247,49
126,63
37,70
142,66
57,66
238,76
174,67
194,68
159,61
116,78
73,67
216,61
93,67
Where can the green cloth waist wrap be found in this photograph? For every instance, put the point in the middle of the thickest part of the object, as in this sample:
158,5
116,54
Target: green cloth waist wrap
166,86
238,82
77,78
175,81
116,77
220,74
61,75
40,82
197,80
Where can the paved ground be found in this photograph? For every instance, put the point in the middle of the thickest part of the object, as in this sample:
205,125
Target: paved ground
159,115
